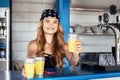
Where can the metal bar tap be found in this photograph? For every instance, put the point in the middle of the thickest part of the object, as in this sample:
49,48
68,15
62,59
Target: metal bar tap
117,42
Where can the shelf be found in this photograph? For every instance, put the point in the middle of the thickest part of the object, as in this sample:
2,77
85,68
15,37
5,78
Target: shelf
2,18
97,34
2,37
3,59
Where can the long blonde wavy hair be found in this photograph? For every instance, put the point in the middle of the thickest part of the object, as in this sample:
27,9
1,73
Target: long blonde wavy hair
58,44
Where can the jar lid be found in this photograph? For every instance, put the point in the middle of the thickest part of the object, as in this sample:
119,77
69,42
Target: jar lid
39,58
73,36
30,60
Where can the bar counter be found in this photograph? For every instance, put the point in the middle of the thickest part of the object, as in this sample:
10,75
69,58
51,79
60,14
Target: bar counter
71,73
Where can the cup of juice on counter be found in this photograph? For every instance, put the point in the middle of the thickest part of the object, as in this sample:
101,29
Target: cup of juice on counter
29,67
71,42
39,66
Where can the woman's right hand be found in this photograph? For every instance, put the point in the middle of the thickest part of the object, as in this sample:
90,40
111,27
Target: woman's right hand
23,73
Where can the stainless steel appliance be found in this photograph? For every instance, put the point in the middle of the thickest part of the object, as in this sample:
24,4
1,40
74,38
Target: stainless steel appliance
4,38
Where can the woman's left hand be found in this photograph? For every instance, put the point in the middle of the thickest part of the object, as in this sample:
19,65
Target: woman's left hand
75,57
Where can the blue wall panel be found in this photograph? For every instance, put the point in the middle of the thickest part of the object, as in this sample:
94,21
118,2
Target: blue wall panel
4,3
63,9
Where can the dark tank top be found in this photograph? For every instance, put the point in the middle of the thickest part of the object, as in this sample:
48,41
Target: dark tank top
49,61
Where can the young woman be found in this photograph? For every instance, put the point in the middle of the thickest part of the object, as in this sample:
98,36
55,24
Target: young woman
50,42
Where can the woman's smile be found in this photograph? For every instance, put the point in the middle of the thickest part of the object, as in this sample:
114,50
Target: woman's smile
50,29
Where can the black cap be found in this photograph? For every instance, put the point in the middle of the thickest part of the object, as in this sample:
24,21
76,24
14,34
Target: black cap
49,12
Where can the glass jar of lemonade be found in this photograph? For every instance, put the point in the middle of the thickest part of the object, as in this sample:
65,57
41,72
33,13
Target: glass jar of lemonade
71,42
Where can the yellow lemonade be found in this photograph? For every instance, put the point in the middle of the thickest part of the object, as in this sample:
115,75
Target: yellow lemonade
71,45
39,67
29,70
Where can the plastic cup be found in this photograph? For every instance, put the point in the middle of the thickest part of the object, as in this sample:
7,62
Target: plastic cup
29,68
71,42
39,66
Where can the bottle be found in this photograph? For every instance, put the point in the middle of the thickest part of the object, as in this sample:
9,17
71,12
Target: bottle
2,51
1,30
4,28
5,32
